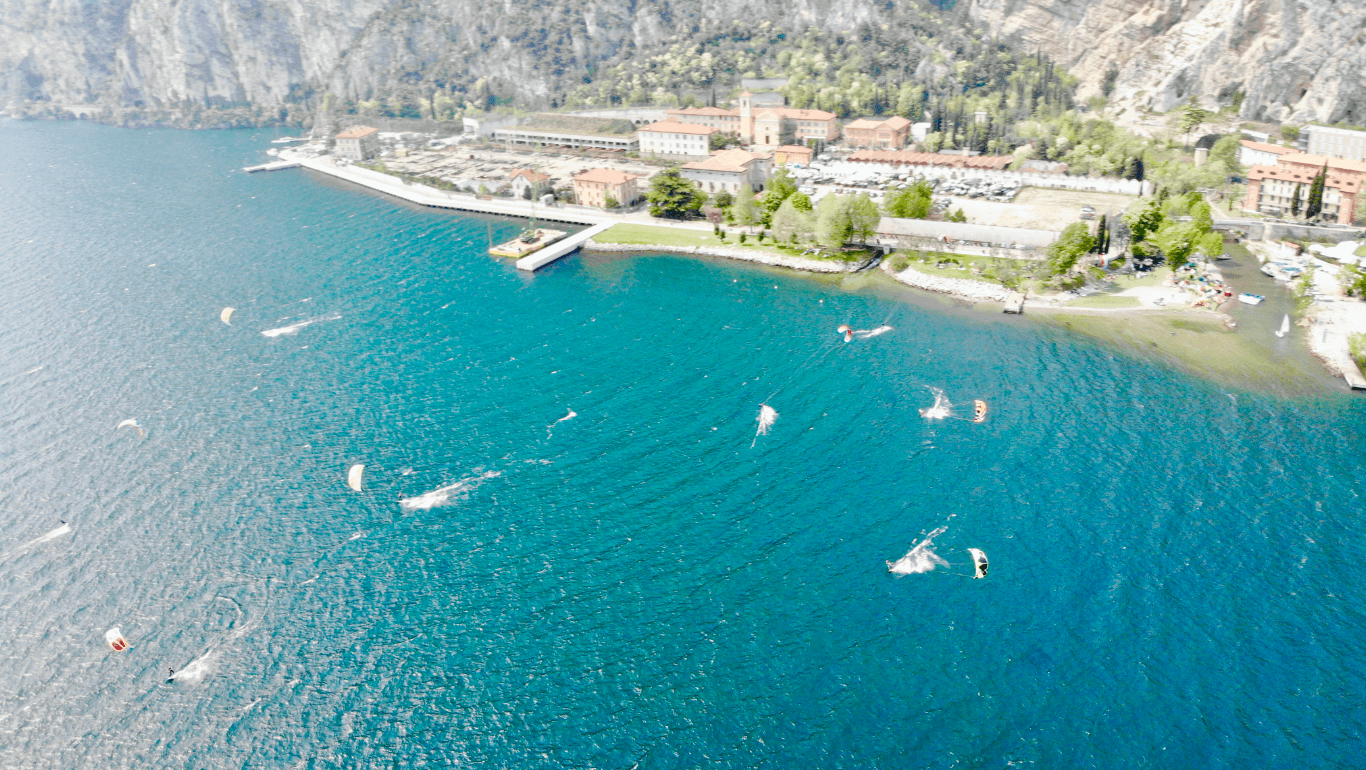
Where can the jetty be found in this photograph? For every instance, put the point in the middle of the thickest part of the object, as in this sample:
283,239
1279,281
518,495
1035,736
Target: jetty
1352,374
1015,303
430,196
272,166
560,248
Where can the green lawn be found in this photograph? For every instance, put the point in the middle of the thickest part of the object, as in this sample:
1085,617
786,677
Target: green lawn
652,235
1150,278
1361,250
1104,301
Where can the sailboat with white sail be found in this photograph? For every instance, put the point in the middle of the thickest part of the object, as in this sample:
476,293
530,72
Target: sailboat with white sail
1285,327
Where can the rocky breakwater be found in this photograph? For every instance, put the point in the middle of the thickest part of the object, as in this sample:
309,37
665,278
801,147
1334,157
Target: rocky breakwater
1294,60
748,255
958,287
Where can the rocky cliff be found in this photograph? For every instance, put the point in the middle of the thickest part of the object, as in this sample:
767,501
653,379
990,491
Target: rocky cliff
1287,60
90,56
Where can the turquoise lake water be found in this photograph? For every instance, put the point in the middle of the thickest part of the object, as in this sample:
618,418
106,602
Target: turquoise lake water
1176,564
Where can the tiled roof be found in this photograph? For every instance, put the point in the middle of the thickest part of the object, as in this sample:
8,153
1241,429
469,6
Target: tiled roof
1264,147
1319,161
532,176
1345,182
732,161
894,124
673,126
356,132
605,176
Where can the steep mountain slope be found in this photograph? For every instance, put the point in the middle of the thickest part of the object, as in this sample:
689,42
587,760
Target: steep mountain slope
268,52
1297,60
1286,59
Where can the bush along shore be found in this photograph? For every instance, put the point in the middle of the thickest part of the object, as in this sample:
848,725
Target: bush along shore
748,255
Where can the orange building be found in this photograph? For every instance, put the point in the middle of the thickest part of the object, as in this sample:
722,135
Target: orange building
889,134
1273,189
765,127
792,154
594,186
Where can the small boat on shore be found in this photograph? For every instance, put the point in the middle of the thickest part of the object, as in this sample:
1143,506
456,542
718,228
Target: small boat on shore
1251,299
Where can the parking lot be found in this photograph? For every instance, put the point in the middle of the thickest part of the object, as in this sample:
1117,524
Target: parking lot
463,164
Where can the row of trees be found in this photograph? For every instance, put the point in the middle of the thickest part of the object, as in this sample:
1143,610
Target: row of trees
782,209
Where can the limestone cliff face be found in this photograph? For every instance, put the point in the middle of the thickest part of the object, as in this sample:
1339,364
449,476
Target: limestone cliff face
1295,60
1291,59
221,52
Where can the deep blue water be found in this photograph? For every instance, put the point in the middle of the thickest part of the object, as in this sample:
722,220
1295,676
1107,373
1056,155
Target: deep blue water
1176,565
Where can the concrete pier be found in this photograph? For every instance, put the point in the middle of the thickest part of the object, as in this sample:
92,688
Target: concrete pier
428,196
272,166
1015,302
558,249
1352,374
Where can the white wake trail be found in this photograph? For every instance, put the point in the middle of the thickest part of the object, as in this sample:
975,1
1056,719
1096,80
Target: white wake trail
864,334
294,328
941,409
572,414
442,495
52,535
919,559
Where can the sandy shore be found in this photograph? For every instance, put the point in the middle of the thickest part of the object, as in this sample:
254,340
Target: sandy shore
746,255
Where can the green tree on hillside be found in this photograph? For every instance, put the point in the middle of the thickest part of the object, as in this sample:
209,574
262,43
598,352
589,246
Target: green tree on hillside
914,202
746,209
780,187
863,218
790,222
833,228
1192,115
673,197
1202,216
1075,242
1177,242
1145,220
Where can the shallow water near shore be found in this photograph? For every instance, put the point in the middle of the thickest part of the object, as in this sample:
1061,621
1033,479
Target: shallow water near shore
1174,575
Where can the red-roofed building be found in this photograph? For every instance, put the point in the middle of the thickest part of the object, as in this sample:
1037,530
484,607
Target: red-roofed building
1272,189
792,154
594,186
524,179
673,138
728,170
765,127
889,134
1252,153
358,143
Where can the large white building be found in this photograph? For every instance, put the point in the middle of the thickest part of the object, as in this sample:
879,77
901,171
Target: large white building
1252,153
728,170
677,140
1336,142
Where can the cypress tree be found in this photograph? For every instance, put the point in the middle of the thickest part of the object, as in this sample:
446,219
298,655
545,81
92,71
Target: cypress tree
1315,205
1295,201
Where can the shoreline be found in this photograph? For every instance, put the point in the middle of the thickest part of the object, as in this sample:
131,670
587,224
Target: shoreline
1326,341
742,255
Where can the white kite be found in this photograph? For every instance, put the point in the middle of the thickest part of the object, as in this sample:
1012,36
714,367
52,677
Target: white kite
353,477
131,424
